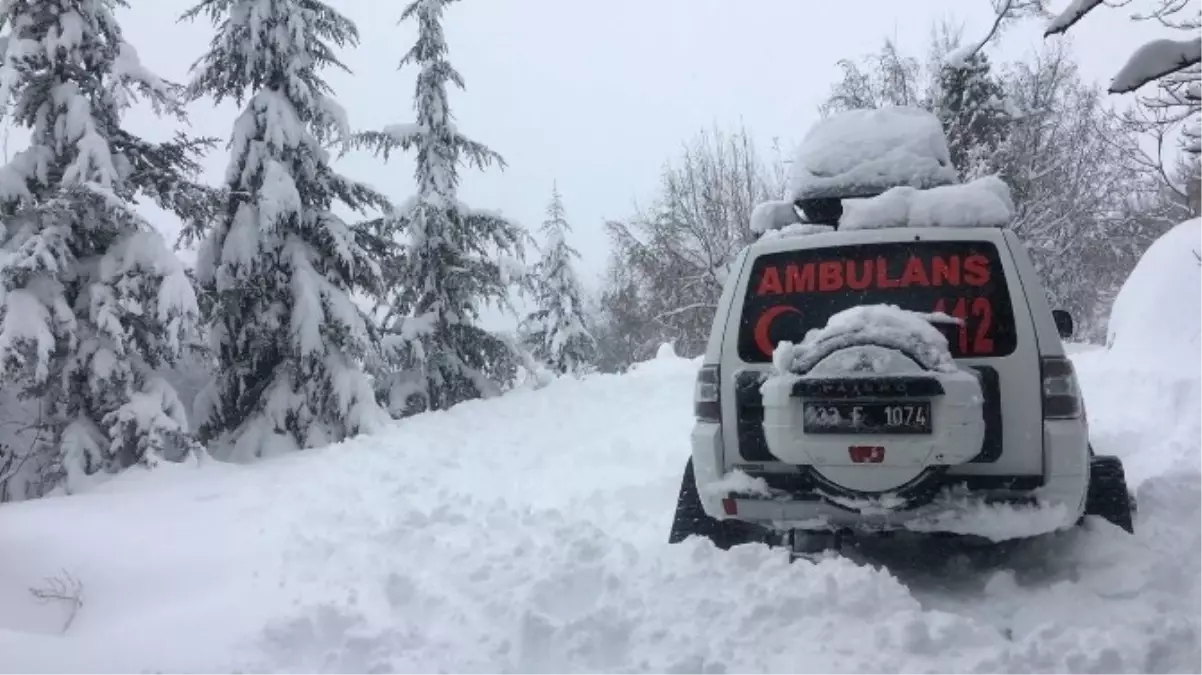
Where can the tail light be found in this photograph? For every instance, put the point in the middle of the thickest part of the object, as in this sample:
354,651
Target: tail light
1061,395
706,401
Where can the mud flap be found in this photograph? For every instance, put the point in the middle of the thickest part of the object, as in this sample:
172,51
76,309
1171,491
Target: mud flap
692,520
1108,495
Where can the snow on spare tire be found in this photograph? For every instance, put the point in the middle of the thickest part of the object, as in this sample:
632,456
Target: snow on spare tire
868,346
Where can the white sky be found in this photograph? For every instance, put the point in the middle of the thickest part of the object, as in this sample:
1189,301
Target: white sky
599,94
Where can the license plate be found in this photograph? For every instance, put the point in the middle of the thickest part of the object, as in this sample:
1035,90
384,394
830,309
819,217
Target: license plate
841,417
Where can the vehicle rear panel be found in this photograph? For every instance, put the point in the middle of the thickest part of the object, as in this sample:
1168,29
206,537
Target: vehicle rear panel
792,285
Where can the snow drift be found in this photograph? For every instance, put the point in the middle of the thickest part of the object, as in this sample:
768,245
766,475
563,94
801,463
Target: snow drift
1156,320
527,533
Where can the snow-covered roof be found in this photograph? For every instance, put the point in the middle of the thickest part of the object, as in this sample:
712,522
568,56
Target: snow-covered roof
859,153
984,202
796,230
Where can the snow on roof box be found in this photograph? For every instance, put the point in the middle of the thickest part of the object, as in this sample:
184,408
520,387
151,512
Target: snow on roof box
796,230
984,202
861,153
773,215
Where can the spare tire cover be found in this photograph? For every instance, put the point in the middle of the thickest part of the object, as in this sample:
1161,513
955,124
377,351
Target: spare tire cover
898,459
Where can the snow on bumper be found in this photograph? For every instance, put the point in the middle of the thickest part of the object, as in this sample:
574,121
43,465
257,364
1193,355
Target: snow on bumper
995,514
996,520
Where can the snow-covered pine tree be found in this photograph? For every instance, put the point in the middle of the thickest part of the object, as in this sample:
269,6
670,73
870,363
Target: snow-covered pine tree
972,108
279,265
455,259
93,304
555,331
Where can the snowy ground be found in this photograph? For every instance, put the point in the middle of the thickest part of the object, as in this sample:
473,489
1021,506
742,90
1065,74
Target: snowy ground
527,534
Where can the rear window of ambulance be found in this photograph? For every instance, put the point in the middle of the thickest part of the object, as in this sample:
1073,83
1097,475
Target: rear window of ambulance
795,291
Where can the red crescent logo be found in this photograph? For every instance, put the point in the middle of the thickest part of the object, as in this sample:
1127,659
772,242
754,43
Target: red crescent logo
764,324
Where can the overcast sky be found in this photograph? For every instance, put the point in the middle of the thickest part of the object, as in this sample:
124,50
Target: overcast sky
597,95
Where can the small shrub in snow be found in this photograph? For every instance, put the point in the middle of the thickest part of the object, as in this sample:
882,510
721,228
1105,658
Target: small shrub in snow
454,258
555,332
279,265
64,589
93,305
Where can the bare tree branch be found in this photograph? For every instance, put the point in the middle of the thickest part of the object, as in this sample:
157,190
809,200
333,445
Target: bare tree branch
66,589
672,260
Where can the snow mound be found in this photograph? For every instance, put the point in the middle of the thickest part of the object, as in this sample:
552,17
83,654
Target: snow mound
737,482
773,215
666,351
1156,320
865,152
995,522
881,325
984,202
1157,437
776,219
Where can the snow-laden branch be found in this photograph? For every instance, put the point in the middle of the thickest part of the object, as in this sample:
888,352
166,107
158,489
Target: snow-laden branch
1076,11
1155,60
1004,12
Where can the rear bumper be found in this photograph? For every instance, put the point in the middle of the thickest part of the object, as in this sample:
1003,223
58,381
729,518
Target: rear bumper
997,507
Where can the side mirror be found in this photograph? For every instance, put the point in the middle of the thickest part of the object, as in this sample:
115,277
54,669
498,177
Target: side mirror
1064,322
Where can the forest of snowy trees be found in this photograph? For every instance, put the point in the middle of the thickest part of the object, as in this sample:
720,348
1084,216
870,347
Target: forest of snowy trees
301,325
1095,177
305,326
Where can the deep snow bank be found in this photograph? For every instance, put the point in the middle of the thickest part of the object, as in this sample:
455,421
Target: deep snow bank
1148,417
527,534
1156,320
1152,362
